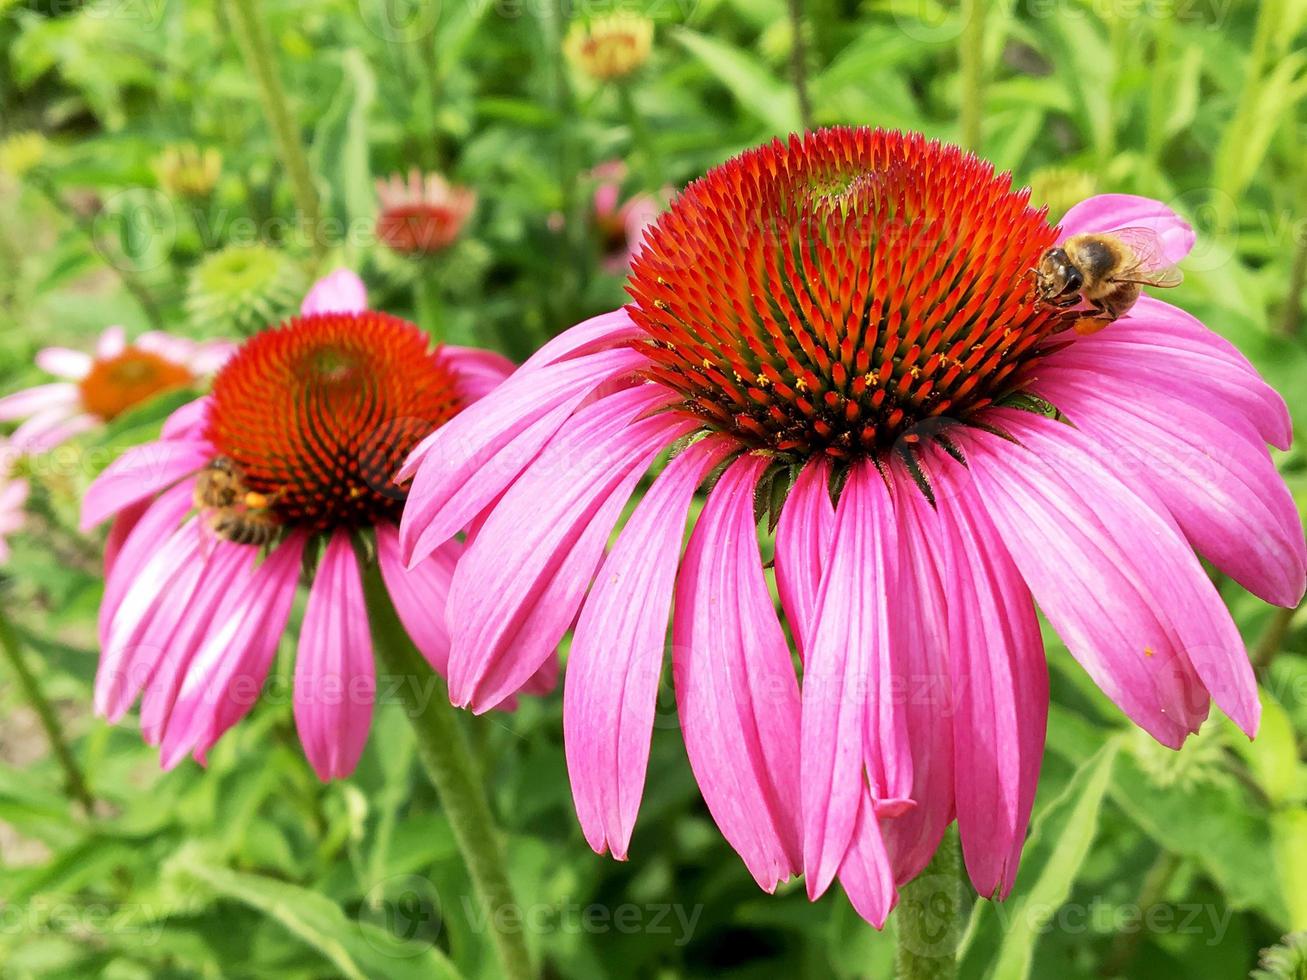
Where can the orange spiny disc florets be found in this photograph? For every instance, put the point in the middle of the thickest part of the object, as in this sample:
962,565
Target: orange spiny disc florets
830,293
320,412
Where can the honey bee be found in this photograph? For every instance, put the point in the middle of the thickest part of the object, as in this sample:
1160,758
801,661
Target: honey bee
1106,271
232,511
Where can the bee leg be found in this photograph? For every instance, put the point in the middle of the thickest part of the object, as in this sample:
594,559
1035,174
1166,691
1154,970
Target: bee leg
1087,325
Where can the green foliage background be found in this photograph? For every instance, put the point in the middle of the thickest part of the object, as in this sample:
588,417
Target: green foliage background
1142,862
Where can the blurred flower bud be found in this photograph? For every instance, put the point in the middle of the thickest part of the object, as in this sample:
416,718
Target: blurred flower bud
609,47
423,214
186,171
243,289
1060,188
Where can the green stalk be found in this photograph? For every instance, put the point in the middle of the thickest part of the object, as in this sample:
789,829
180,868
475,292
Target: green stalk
799,63
256,48
971,70
74,781
643,139
443,749
1291,315
928,920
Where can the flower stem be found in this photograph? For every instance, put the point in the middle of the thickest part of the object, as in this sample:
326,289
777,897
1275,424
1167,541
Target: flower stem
256,48
929,917
75,782
1291,315
443,749
971,65
643,139
799,63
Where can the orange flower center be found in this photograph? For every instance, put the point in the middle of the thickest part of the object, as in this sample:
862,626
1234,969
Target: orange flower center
124,381
319,413
838,292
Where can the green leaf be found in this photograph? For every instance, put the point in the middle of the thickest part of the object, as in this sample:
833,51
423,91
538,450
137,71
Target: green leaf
1289,840
1001,938
339,154
359,950
772,101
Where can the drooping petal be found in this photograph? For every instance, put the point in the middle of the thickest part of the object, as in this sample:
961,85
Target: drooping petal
64,363
467,463
420,594
138,545
803,536
1211,384
1115,577
341,291
1111,212
518,587
998,680
736,692
112,342
617,655
922,681
865,871
1219,484
847,694
58,395
225,676
224,565
335,677
141,472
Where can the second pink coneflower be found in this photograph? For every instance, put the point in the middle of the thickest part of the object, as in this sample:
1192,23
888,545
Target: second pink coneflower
845,322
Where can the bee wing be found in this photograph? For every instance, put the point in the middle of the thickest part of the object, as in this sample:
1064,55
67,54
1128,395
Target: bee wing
1149,265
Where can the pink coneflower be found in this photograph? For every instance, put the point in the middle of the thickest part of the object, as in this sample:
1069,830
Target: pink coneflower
846,322
620,223
423,215
98,388
13,499
292,452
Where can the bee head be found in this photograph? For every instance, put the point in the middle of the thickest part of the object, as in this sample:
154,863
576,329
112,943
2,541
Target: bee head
1057,276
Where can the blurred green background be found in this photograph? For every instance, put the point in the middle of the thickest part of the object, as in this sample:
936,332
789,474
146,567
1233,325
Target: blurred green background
1143,863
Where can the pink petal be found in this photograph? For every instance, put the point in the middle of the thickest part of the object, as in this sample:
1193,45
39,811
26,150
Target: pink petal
139,473
1219,485
999,683
111,343
608,330
1149,347
139,541
922,681
30,401
468,462
209,356
153,603
335,677
846,679
1110,212
736,693
865,871
479,371
188,422
420,594
64,363
617,655
1114,577
341,291
225,676
53,427
517,589
803,536
225,565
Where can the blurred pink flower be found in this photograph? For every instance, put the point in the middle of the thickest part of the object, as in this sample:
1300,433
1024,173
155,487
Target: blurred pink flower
97,388
852,311
308,421
621,223
423,214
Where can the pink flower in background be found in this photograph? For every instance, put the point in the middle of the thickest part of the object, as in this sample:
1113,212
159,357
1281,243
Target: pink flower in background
290,458
13,499
423,214
97,388
845,322
621,223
